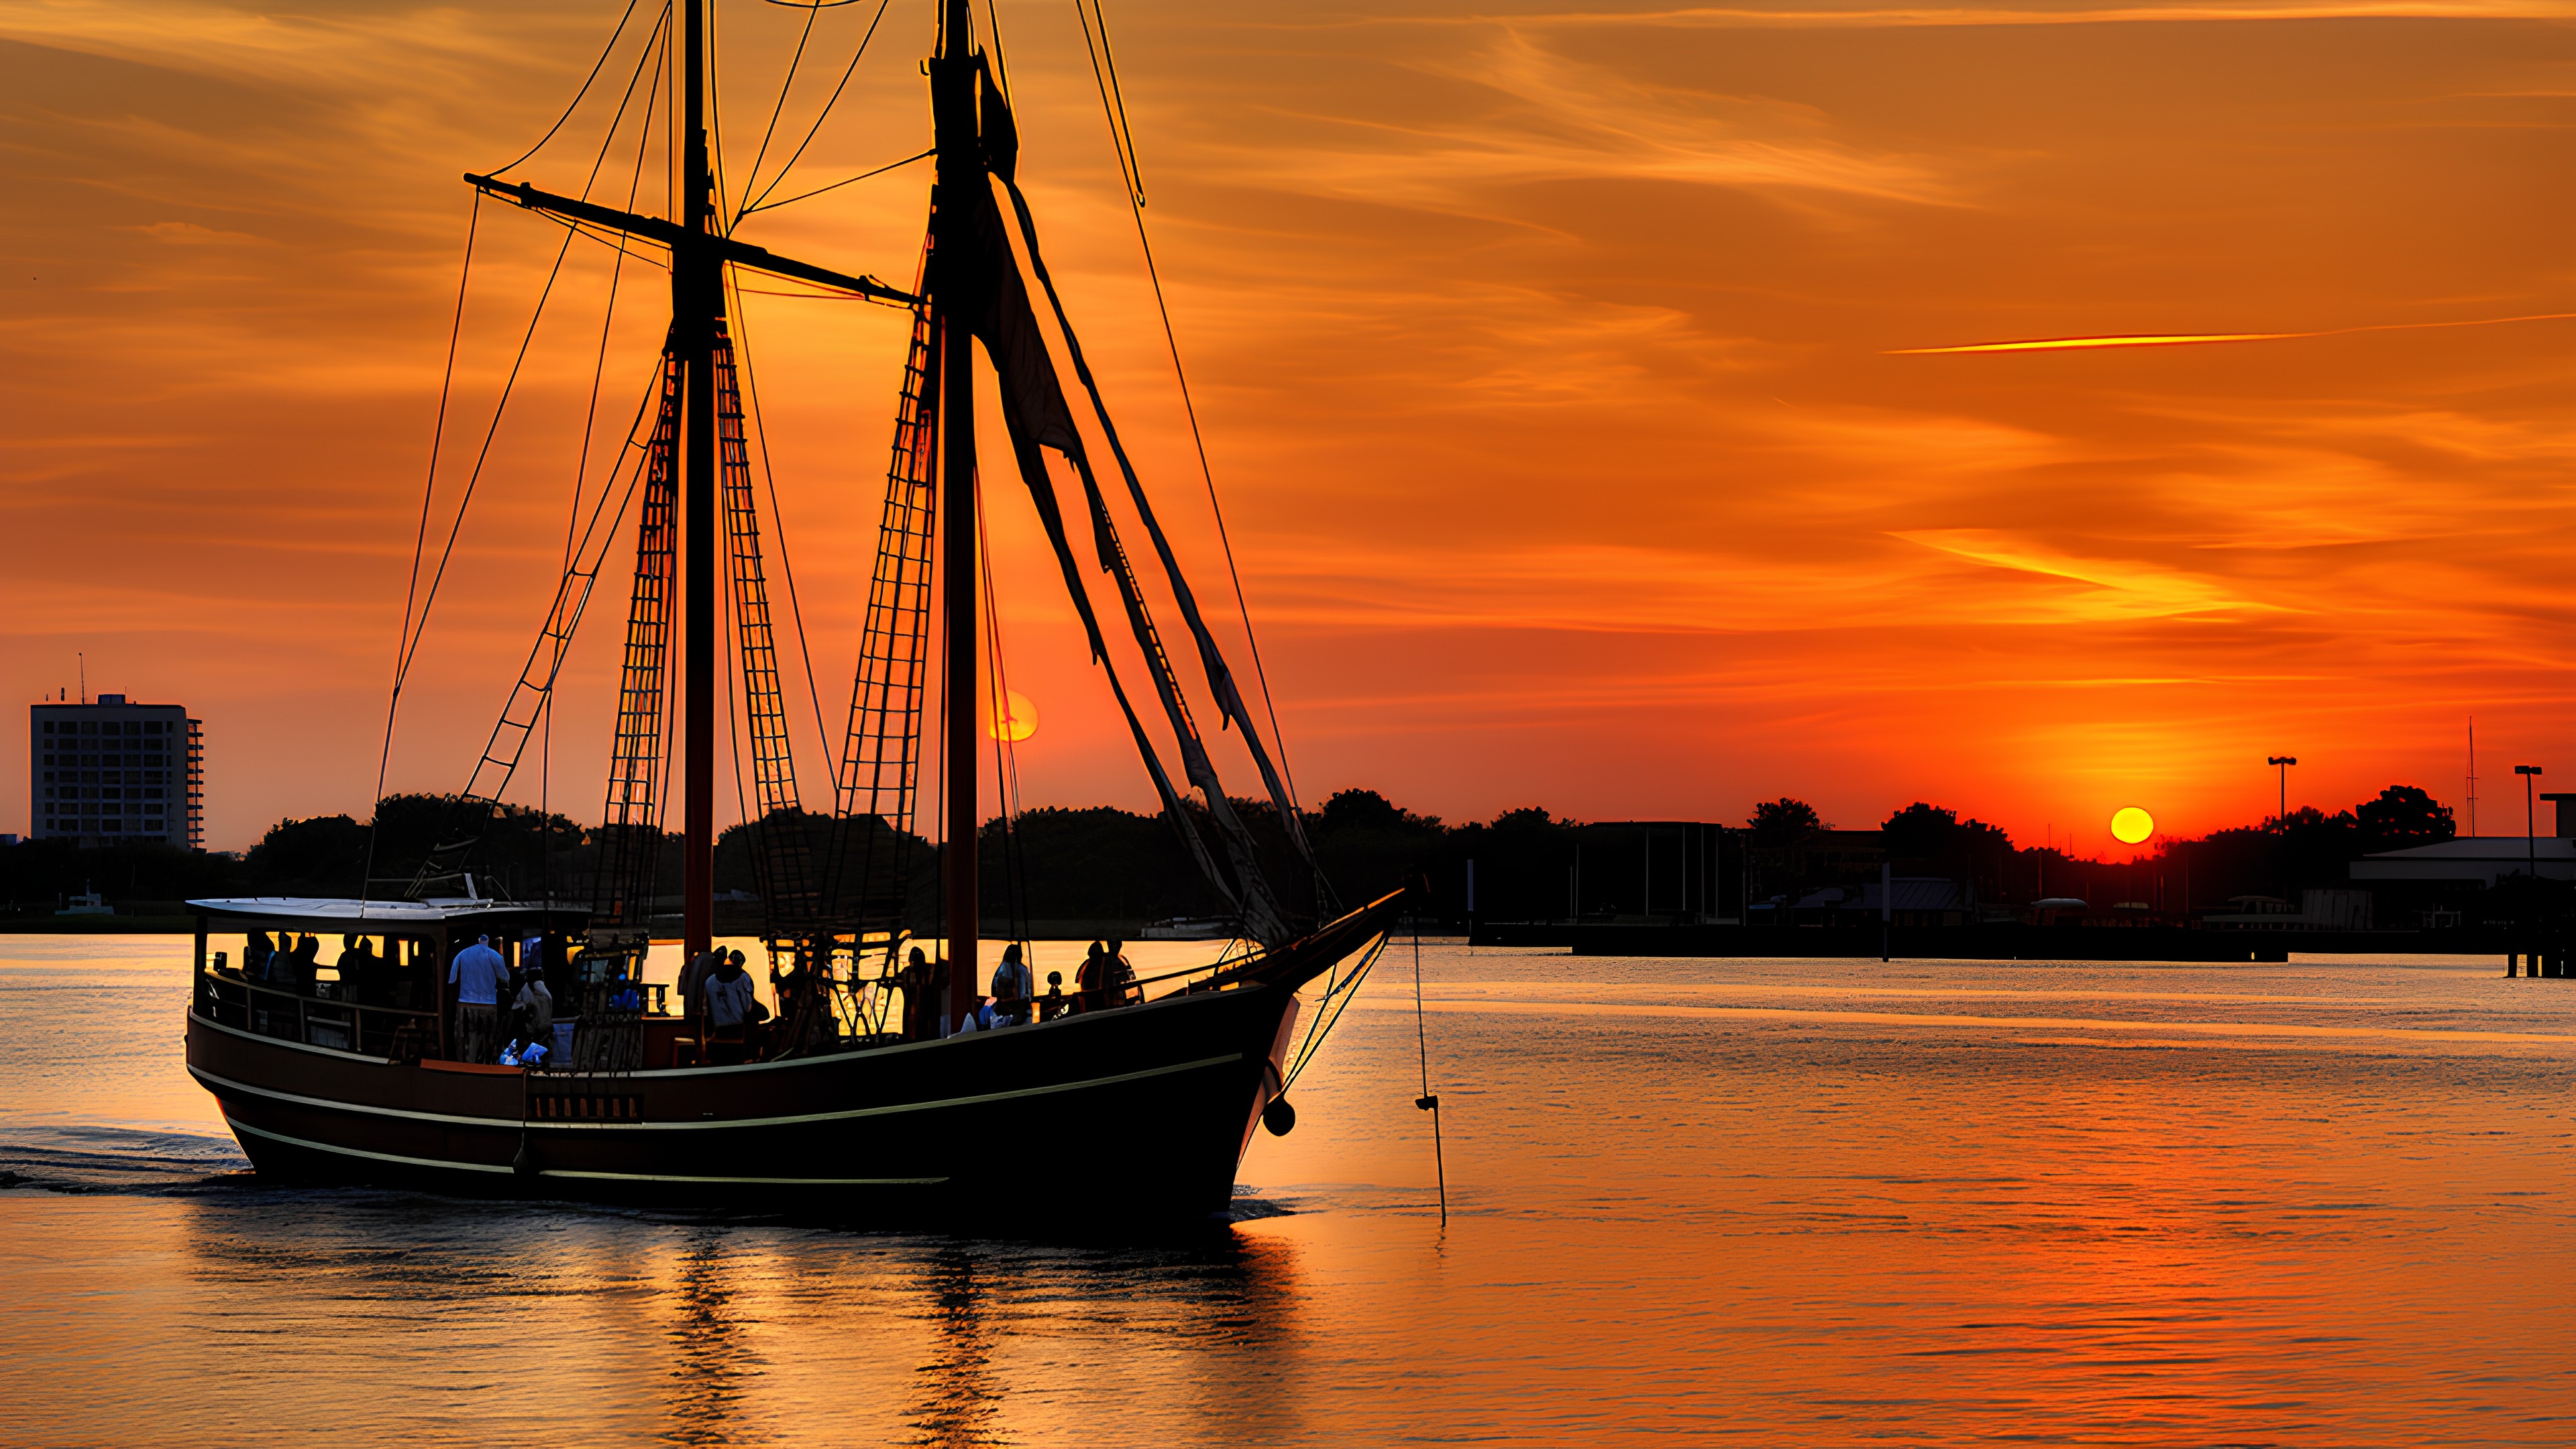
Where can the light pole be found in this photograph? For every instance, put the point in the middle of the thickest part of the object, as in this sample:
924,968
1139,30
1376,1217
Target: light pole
2281,821
2530,842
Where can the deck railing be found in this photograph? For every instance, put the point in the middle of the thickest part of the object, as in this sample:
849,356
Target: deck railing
340,1023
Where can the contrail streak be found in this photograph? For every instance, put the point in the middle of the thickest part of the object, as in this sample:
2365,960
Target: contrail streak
2194,339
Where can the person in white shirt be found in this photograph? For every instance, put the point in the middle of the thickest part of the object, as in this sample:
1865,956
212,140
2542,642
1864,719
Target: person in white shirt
536,1009
477,974
1012,988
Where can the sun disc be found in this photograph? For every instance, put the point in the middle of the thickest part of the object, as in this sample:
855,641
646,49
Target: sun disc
2131,825
1013,718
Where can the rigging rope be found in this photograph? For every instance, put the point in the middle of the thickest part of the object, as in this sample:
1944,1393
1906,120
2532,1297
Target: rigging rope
590,423
1113,104
604,53
790,163
1006,755
420,536
416,625
785,85
835,186
1422,1046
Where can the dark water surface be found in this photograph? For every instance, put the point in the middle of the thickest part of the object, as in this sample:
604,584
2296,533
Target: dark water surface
1760,1202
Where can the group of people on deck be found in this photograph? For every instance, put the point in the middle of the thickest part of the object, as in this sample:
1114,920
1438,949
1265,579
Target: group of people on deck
1105,979
293,964
718,994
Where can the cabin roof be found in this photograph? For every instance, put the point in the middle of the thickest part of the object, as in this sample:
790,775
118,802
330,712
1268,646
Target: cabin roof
379,913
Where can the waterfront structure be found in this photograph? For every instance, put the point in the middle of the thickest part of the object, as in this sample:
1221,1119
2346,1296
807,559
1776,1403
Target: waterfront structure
111,771
2484,859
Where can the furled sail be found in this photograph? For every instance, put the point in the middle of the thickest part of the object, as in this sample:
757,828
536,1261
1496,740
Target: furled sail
1035,409
1220,676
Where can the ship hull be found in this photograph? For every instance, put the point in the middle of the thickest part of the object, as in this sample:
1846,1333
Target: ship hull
1138,1113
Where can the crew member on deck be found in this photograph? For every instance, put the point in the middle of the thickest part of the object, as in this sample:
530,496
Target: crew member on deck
359,978
299,966
1091,980
920,985
535,1009
804,1007
1052,1005
733,1005
477,974
1012,988
693,980
1121,978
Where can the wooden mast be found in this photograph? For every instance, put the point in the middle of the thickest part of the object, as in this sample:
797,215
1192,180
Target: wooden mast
697,311
952,301
700,251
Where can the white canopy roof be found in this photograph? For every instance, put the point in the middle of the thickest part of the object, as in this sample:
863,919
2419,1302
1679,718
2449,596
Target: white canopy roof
2473,857
391,915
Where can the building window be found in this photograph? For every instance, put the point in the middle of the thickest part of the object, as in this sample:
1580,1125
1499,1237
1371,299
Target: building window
105,825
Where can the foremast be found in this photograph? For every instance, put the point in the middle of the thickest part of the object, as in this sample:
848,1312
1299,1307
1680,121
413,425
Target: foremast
695,353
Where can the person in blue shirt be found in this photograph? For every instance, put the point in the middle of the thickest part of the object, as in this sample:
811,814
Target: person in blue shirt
477,974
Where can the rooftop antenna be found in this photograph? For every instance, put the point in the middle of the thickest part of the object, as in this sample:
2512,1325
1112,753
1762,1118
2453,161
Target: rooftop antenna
84,674
2473,777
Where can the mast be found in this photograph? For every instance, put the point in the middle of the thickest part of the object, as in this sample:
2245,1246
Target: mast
697,312
952,303
700,251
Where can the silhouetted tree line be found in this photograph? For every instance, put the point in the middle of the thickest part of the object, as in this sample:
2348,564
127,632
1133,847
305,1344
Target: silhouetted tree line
1108,864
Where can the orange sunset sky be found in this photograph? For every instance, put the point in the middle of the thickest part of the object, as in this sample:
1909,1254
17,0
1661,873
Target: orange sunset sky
1546,359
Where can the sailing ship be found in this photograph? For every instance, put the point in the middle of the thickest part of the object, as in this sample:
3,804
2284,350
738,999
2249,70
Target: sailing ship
872,1094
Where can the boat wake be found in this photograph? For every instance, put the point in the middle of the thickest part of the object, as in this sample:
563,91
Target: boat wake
93,1159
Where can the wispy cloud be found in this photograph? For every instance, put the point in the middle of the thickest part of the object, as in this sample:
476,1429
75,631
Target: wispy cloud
1543,362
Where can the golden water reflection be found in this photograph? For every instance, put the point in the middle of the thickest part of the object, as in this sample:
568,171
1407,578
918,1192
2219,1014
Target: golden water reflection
1773,1202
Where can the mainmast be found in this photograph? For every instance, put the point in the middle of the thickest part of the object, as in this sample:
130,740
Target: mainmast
952,303
697,312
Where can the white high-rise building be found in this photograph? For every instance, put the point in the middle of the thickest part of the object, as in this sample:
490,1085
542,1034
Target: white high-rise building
111,771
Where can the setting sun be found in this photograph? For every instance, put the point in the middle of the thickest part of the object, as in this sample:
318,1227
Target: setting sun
2131,825
1013,718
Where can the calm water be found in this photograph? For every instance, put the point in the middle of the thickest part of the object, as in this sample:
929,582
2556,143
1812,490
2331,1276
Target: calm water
1762,1202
